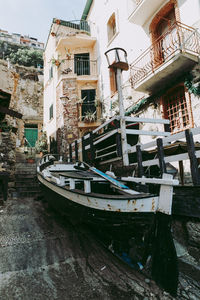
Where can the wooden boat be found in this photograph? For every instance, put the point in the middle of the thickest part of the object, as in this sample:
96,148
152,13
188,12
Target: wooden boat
92,196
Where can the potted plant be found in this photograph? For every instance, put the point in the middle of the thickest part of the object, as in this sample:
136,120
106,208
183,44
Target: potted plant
30,159
68,54
89,116
56,61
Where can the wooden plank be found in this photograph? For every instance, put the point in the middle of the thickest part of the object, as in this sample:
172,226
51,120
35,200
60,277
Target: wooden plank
153,162
100,150
106,123
110,160
10,112
83,148
76,150
139,161
106,136
166,141
192,156
161,156
165,181
181,171
70,152
106,154
145,132
92,150
118,144
147,120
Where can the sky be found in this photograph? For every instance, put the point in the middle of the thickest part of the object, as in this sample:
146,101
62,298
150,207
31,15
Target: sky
34,17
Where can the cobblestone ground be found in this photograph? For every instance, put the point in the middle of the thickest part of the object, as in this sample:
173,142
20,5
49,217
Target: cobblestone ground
43,256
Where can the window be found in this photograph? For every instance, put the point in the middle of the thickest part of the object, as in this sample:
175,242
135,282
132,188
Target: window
88,105
164,34
111,27
51,112
177,108
113,80
82,64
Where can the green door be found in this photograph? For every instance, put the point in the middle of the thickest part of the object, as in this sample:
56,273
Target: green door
31,134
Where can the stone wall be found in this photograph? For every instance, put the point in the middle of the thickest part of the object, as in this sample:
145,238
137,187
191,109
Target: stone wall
67,114
7,152
25,84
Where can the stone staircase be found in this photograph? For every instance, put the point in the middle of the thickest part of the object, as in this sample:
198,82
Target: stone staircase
26,184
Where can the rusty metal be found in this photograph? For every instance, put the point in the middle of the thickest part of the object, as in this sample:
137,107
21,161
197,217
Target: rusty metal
179,38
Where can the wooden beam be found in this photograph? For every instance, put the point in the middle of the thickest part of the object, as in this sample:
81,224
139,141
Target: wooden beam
192,156
76,150
161,156
139,161
10,112
146,120
145,132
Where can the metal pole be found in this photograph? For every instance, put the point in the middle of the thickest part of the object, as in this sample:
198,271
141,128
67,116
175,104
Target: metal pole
122,120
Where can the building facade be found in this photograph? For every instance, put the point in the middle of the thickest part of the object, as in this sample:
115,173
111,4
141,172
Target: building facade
163,44
17,38
72,106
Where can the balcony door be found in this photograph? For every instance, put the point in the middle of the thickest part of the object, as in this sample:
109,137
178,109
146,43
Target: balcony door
164,35
82,64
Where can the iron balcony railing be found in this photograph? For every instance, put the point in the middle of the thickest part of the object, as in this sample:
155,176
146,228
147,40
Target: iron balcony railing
79,67
89,111
179,38
81,25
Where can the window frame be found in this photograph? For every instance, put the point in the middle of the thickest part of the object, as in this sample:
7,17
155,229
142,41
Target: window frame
112,31
178,110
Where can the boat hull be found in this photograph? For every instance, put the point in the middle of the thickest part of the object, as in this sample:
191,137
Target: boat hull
68,203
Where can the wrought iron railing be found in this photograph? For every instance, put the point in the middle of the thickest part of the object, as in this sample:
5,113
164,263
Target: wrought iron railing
81,25
89,111
179,38
79,67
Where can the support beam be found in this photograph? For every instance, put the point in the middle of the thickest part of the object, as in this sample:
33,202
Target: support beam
192,156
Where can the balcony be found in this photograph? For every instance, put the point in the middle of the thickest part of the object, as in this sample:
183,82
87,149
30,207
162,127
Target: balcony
172,54
74,34
83,69
89,114
141,11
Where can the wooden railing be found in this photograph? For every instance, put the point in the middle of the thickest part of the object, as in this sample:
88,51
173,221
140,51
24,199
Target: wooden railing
191,152
103,145
179,38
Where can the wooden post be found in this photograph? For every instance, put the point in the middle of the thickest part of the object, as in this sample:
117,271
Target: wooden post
119,144
92,150
139,161
122,120
76,150
192,157
83,148
181,171
161,156
70,152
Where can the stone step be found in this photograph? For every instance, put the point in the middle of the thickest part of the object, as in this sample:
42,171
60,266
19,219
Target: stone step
28,194
26,185
25,173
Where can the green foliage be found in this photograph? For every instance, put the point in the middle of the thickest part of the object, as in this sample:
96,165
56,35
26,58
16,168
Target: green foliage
21,55
41,144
